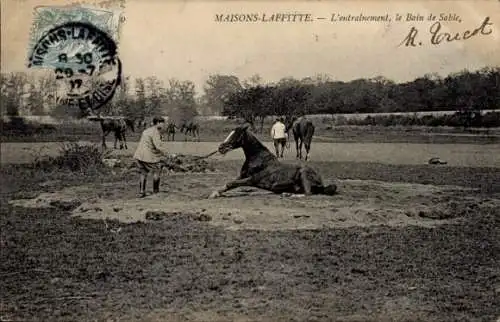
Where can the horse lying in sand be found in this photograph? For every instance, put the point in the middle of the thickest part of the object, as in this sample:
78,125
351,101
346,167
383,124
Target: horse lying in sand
263,170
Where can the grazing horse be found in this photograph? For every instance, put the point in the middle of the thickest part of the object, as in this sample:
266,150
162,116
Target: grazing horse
118,127
191,128
263,170
303,131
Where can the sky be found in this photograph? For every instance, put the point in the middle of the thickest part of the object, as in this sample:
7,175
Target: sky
181,39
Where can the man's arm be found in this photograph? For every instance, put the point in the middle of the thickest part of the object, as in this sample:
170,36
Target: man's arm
158,143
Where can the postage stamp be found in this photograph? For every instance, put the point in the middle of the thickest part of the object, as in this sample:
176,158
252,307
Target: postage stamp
80,45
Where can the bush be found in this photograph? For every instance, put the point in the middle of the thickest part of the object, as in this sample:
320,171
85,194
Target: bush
75,158
341,120
17,126
490,119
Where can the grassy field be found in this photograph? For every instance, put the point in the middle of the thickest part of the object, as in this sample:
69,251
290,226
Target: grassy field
463,155
217,130
402,241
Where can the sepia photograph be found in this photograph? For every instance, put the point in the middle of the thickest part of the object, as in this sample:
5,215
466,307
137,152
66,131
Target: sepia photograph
237,160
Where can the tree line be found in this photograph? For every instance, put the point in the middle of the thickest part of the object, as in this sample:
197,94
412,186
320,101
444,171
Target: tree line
465,92
252,100
25,94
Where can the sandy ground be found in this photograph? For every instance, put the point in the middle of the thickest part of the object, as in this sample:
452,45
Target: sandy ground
360,203
473,155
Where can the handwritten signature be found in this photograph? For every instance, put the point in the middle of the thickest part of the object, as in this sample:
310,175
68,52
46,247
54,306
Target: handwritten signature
437,37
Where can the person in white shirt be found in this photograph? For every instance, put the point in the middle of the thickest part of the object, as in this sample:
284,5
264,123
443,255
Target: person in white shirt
148,155
279,136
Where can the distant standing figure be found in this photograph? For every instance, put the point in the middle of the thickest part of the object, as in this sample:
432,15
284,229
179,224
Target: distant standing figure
279,136
148,155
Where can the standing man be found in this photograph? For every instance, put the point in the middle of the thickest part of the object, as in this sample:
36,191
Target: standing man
148,155
279,136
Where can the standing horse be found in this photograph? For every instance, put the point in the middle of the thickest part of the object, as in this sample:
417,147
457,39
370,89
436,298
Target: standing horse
118,127
170,130
303,131
263,170
191,128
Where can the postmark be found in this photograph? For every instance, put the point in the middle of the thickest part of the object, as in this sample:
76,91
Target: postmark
80,48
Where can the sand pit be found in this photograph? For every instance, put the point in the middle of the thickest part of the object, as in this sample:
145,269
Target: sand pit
360,203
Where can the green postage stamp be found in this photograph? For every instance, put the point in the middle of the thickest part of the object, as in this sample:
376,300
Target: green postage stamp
79,43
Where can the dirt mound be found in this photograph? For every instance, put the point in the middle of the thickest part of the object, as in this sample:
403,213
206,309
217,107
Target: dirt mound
182,163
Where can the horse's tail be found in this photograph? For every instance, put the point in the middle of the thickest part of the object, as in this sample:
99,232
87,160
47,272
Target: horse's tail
308,132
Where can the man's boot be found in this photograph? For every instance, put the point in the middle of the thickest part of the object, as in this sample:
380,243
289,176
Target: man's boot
142,188
156,185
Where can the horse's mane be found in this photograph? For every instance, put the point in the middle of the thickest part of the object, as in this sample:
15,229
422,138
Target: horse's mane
254,138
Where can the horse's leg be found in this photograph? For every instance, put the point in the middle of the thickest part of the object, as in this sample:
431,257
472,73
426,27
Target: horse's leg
308,139
307,147
300,149
104,134
117,138
231,185
124,141
297,147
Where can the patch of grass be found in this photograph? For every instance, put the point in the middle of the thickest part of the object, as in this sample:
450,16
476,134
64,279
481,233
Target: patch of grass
75,164
75,158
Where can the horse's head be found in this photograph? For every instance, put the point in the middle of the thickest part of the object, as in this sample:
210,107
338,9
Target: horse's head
130,123
234,140
289,120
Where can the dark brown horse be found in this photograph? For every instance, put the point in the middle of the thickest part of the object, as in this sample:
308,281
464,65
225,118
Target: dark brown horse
119,127
263,170
303,132
170,130
191,128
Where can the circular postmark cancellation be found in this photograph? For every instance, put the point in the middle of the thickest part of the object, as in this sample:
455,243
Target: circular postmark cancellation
85,63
